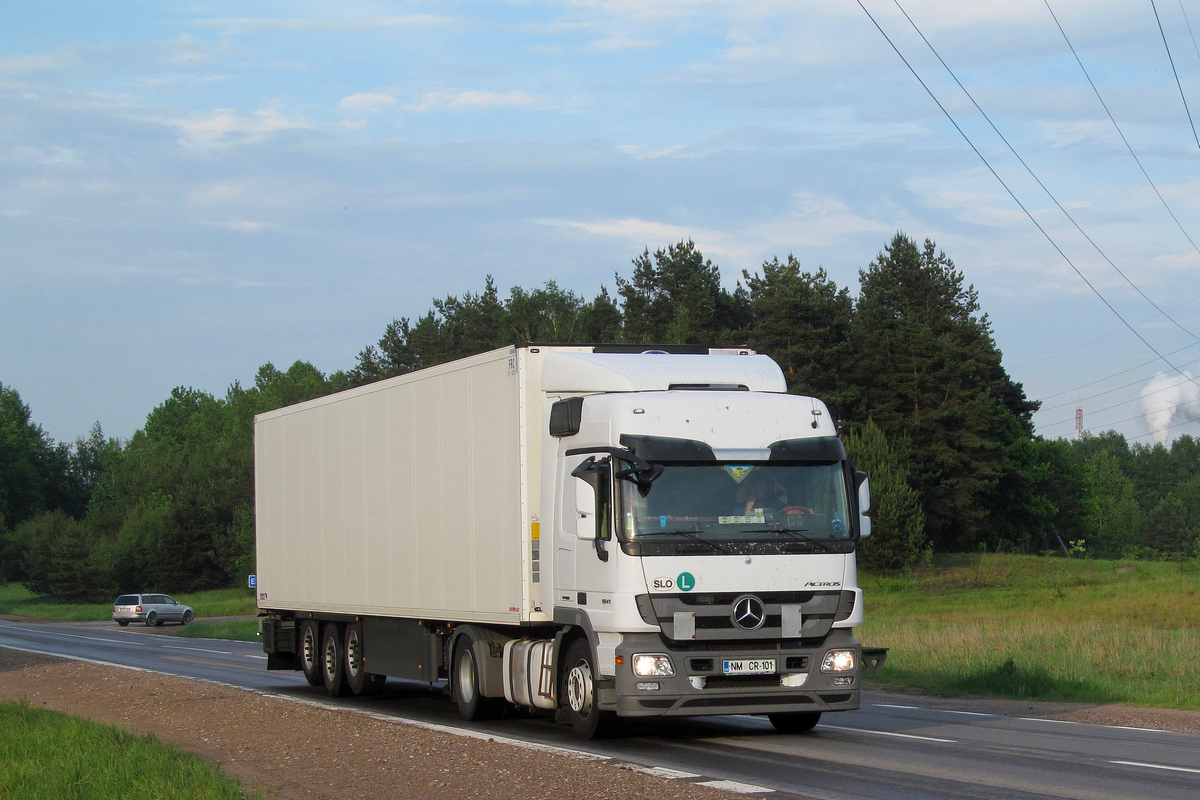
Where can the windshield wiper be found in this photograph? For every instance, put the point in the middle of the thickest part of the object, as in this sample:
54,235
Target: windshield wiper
690,535
797,533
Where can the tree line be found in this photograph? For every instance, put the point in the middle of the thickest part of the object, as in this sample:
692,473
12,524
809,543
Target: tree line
908,366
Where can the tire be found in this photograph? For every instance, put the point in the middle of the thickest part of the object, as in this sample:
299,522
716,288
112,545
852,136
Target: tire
310,652
472,706
795,722
188,616
579,691
333,664
151,619
359,681
122,622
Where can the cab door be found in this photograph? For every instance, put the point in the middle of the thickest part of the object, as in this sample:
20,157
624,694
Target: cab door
586,551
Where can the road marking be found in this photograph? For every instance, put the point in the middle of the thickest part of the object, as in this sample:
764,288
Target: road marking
197,649
104,639
889,733
1156,766
938,710
665,772
244,655
734,786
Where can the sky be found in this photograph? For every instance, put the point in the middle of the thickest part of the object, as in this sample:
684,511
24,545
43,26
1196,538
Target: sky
189,190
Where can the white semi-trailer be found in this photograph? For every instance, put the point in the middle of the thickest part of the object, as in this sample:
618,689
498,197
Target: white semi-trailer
595,531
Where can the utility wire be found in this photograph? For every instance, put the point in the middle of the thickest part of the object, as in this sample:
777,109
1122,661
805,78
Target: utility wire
1038,180
1188,22
1020,205
1175,71
1118,127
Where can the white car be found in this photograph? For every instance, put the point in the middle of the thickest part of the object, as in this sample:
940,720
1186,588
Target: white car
152,609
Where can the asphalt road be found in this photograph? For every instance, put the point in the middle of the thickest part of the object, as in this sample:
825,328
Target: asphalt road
884,751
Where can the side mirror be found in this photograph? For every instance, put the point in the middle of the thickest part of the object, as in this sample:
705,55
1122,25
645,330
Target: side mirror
864,504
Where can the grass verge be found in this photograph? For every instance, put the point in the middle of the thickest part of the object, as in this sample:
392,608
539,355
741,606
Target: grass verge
52,756
1041,628
16,599
242,630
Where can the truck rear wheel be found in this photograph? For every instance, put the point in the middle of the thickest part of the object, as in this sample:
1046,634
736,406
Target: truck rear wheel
310,652
358,679
795,722
579,683
332,663
471,704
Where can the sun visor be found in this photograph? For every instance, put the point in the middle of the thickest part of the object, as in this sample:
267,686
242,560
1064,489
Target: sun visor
650,372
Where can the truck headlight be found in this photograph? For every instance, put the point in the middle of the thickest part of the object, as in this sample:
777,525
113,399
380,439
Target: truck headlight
653,665
838,661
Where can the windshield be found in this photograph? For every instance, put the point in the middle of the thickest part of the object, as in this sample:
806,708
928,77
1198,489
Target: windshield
736,503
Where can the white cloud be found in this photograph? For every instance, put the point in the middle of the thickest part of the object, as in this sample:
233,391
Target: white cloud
225,126
367,102
475,99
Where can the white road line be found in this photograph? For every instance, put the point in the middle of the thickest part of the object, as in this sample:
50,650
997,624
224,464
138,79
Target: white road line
103,639
197,649
889,733
1097,724
1156,766
665,772
938,710
734,786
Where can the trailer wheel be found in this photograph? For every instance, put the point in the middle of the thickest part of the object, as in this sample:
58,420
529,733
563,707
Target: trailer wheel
358,679
579,684
310,652
332,663
795,722
471,704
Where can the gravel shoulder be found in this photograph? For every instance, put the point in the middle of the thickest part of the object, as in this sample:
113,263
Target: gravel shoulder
293,751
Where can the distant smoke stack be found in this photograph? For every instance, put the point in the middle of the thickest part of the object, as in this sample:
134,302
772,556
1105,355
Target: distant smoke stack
1167,400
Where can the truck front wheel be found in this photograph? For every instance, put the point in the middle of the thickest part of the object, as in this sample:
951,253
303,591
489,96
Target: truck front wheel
310,652
471,704
579,683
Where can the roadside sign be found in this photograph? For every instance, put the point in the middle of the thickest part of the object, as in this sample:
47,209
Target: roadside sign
253,581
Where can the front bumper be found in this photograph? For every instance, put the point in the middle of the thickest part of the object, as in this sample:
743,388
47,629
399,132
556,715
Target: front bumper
699,687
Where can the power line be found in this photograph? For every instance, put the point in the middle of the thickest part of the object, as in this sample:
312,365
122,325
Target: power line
1175,71
1010,192
1118,127
1188,22
1038,180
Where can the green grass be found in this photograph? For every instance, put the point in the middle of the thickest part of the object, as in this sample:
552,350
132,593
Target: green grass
52,756
16,599
1041,628
242,630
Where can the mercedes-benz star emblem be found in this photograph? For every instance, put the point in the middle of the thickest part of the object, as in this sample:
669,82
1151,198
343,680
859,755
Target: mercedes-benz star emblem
748,613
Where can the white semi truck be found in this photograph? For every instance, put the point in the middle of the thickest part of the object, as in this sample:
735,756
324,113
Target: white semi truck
596,531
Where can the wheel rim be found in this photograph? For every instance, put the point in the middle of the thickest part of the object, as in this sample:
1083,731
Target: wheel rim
310,648
579,688
353,647
466,676
331,659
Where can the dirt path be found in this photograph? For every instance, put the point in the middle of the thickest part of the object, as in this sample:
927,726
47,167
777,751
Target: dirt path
293,751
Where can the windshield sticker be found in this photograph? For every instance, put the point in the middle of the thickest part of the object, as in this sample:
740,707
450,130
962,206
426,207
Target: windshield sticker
756,518
738,471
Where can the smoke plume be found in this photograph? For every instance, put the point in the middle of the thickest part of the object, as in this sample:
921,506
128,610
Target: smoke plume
1167,400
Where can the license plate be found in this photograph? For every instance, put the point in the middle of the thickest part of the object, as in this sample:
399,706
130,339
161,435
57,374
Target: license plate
748,666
